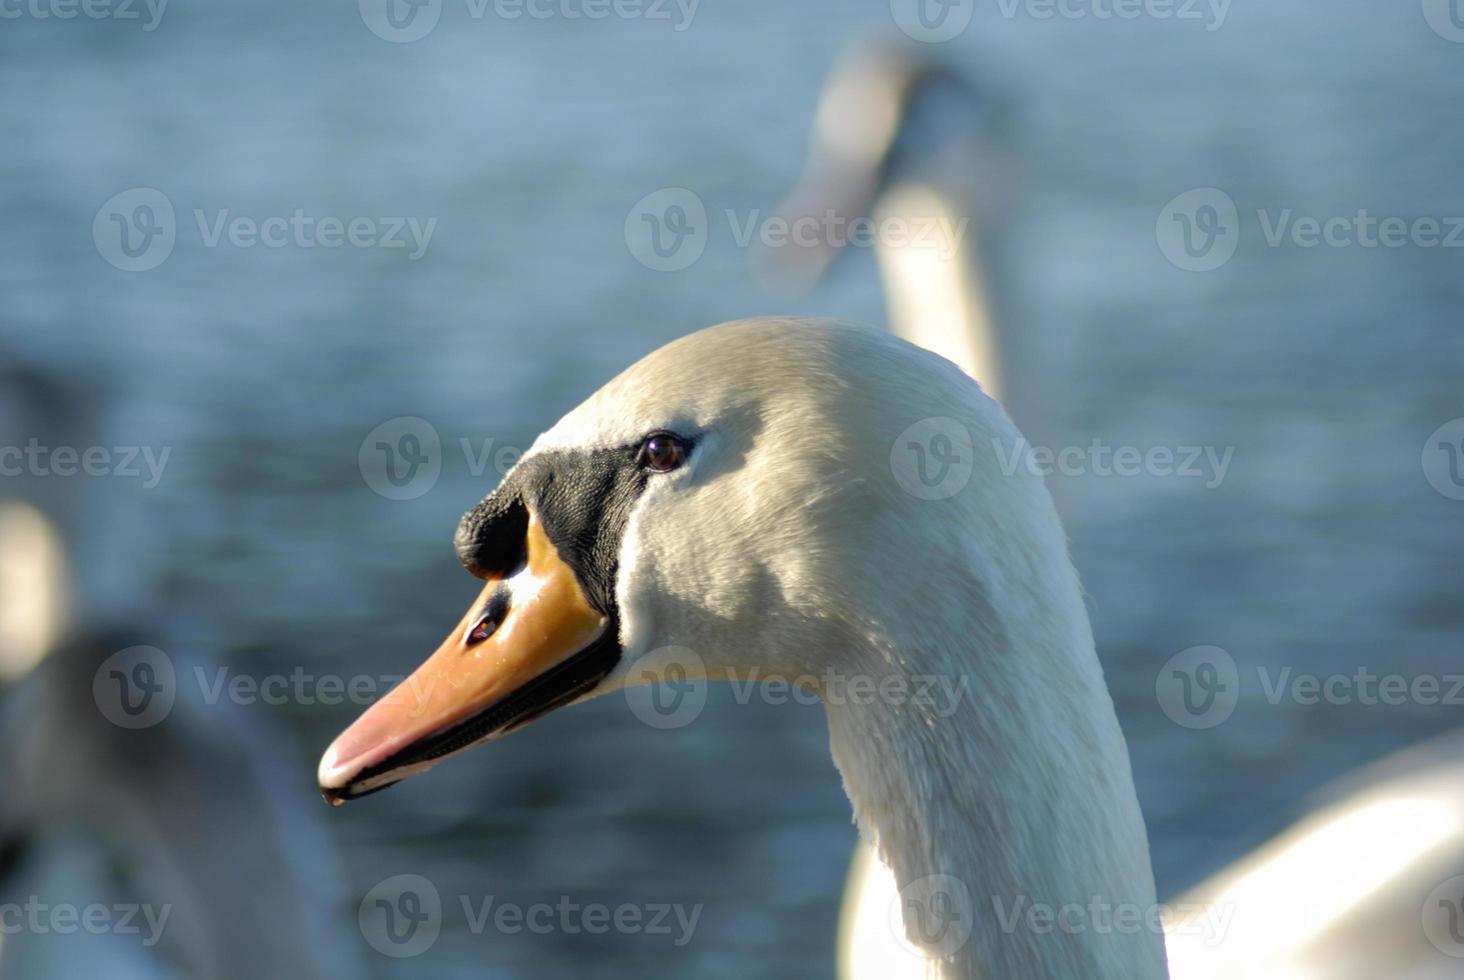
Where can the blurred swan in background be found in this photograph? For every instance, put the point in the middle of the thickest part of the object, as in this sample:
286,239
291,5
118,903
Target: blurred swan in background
913,150
1362,887
192,819
1369,884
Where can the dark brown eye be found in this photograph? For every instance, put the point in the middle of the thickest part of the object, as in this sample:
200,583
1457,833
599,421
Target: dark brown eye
662,452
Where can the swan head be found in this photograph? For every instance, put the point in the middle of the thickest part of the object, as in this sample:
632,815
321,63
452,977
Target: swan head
741,500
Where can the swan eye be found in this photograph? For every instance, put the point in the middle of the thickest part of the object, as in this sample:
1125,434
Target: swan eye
662,451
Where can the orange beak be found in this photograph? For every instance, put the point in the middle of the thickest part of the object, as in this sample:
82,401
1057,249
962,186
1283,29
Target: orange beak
529,643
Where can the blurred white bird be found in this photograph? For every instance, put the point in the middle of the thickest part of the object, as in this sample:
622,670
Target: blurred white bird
195,819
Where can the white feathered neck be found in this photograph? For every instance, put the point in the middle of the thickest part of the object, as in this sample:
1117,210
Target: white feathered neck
1008,803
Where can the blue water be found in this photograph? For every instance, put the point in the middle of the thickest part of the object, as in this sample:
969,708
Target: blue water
1324,549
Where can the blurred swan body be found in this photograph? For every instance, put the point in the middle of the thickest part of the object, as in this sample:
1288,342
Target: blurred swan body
195,812
193,819
1369,884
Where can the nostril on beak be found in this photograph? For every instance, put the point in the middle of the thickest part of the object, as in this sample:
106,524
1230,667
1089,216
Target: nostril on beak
494,613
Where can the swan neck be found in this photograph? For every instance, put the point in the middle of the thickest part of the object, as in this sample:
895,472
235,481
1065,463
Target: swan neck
1008,816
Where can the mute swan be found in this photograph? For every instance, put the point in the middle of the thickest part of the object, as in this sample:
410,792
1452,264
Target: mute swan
749,501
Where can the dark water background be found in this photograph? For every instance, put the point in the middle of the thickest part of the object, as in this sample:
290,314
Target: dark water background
1325,549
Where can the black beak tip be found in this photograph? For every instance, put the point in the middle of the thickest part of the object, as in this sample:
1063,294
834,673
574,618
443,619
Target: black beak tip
340,796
